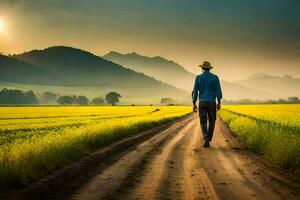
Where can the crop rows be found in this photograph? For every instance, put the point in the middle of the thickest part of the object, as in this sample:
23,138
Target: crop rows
273,130
37,140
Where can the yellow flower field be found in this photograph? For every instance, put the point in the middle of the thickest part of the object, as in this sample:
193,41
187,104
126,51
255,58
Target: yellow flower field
37,140
273,130
288,114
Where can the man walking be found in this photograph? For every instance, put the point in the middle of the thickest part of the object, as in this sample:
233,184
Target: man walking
207,87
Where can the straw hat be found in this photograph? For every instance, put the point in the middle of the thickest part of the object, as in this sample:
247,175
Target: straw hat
206,65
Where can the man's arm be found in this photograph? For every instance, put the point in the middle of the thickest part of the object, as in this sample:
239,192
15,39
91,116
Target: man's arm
195,91
219,94
195,95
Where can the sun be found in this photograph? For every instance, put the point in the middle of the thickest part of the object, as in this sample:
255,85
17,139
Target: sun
2,25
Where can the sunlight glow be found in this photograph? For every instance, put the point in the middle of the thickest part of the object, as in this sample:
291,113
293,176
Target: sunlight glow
2,25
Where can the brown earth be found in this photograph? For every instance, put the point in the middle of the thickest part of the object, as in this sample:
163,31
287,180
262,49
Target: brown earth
168,162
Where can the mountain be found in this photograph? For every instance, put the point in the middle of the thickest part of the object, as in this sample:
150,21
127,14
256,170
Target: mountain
68,70
75,67
160,68
172,73
284,86
18,71
233,91
63,67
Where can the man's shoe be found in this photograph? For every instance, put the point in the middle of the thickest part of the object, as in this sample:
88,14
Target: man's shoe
206,143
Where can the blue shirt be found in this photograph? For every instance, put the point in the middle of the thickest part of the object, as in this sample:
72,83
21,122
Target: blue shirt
207,85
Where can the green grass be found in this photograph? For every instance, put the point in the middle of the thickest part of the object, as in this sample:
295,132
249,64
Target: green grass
278,142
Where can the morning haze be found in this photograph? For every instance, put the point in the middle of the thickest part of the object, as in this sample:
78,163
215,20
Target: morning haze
240,38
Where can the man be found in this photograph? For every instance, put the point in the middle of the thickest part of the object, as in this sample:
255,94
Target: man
207,86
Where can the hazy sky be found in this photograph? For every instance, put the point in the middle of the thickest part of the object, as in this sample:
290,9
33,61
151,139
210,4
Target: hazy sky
239,37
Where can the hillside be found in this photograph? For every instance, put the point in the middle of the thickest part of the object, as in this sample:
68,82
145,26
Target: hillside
172,73
160,68
68,70
74,67
283,86
20,72
233,91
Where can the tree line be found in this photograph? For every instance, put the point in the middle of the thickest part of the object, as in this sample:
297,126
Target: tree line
289,100
18,97
10,97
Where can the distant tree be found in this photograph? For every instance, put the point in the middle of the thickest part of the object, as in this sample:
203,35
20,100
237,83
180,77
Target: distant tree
281,101
246,101
31,98
81,100
17,97
270,102
288,76
49,98
65,100
293,100
166,101
98,101
112,98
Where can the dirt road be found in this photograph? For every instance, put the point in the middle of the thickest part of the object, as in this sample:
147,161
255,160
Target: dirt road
167,162
173,165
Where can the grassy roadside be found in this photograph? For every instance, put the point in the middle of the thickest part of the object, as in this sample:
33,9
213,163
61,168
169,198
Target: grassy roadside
280,144
29,159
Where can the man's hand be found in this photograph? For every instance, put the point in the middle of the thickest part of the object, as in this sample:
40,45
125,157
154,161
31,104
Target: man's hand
218,106
194,108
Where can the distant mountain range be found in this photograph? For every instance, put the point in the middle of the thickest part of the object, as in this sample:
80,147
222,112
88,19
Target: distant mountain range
170,72
70,67
139,78
160,68
75,67
284,86
233,91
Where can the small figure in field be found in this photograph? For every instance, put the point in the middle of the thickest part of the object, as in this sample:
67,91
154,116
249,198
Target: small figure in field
208,88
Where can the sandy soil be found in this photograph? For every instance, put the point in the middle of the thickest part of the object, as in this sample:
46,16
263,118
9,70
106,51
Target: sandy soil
171,163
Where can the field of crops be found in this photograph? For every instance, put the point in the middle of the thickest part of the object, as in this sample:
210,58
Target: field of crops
37,140
273,130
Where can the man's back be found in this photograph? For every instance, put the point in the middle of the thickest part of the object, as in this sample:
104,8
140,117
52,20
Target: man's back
208,87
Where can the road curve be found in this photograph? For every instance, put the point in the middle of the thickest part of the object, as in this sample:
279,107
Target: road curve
173,165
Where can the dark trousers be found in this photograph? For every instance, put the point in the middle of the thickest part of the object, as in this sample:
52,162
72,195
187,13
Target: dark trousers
207,110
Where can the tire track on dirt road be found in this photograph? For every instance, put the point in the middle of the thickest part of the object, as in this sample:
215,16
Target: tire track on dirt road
150,186
104,184
235,175
227,171
197,184
184,178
